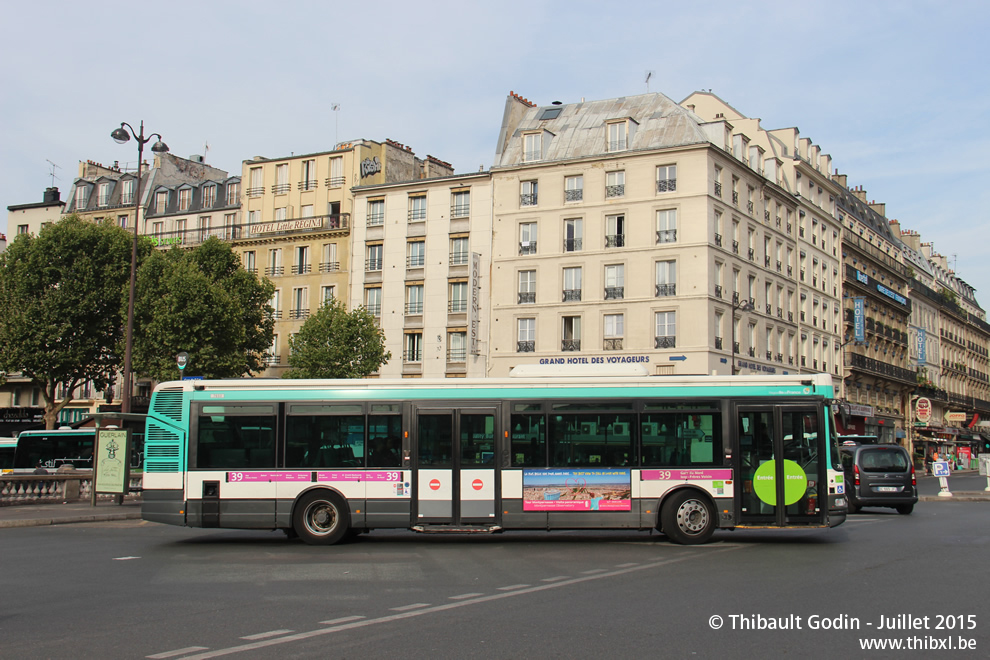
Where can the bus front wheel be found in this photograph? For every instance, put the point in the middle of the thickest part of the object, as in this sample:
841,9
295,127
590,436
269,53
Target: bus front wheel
321,518
687,518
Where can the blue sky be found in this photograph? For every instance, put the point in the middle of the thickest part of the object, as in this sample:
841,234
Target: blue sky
896,92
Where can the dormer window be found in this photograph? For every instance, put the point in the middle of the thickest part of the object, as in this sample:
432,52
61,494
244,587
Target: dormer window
185,199
535,145
103,196
127,191
209,196
620,134
161,200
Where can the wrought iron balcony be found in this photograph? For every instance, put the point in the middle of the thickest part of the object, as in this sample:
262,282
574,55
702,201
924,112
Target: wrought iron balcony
412,355
718,188
458,258
373,264
614,292
457,305
615,240
615,191
613,344
718,290
414,307
415,260
735,246
254,192
575,195
376,219
527,248
527,297
375,309
271,359
718,343
417,215
274,271
671,290
456,354
752,254
570,345
335,181
460,210
528,199
735,198
572,244
752,352
571,295
329,266
309,184
665,341
281,188
526,346
718,240
666,185
666,236
301,313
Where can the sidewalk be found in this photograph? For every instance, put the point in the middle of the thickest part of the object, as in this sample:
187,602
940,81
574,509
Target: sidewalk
33,515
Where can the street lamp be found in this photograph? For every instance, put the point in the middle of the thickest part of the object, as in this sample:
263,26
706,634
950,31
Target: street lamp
743,306
120,136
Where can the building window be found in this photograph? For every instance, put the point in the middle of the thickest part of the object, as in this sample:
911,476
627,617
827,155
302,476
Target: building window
414,347
529,193
456,346
525,335
376,212
300,303
417,208
308,175
570,333
666,278
336,179
103,195
460,204
615,184
302,266
121,221
666,178
82,197
572,284
574,188
374,258
615,282
185,199
666,333
328,293
667,226
204,228
281,179
276,304
532,147
527,238
22,229
718,181
527,287
458,297
615,230
161,201
256,188
127,191
459,251
329,263
180,228
250,261
417,254
280,214
157,229
414,299
614,330
617,134
209,196
373,300
274,262
573,235
233,193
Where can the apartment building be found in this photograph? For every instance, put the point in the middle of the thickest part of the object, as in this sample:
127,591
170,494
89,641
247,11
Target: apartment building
424,247
30,218
297,214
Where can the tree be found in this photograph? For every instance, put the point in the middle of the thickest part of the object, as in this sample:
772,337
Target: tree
335,343
203,302
62,304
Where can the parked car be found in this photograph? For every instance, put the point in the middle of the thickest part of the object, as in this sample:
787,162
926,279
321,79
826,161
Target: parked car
879,475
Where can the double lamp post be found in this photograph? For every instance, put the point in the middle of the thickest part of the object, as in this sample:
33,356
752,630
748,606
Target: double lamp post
120,136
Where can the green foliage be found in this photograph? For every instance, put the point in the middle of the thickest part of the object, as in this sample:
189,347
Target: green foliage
62,300
203,302
335,343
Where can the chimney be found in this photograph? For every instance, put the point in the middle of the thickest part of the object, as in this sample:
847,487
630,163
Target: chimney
51,196
839,178
879,207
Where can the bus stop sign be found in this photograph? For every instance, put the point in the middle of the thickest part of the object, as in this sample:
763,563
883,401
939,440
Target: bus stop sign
182,359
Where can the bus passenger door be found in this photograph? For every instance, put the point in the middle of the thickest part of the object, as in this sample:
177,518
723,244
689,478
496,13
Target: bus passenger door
780,471
455,475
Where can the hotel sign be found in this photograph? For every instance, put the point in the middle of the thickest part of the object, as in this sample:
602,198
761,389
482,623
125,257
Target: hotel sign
474,305
288,225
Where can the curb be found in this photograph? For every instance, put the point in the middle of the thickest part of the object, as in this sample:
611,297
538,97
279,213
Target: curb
42,522
956,497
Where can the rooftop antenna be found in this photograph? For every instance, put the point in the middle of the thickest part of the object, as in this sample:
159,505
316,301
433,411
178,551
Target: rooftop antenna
53,171
206,149
649,74
336,132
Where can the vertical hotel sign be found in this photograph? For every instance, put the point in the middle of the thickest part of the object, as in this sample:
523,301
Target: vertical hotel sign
922,346
859,322
474,307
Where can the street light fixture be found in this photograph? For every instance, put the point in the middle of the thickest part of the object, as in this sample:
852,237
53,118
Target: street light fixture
120,136
740,306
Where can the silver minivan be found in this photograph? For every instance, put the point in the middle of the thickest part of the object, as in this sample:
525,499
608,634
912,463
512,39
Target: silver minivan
879,475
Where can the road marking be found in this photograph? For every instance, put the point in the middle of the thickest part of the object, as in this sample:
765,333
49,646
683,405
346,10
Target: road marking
560,582
404,608
556,579
124,558
343,619
513,587
627,565
172,654
463,596
266,635
594,571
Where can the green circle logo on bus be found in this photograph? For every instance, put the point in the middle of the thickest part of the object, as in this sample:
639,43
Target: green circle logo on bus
765,482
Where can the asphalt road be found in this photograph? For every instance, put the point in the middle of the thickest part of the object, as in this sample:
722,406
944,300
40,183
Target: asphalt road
134,590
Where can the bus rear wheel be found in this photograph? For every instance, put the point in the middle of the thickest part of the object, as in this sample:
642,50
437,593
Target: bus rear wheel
321,518
687,518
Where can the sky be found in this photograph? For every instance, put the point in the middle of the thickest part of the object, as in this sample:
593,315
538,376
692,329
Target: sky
896,92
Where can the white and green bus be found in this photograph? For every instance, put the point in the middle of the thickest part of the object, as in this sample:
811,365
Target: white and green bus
324,460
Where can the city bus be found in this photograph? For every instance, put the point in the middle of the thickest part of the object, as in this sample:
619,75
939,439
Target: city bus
325,460
7,447
64,446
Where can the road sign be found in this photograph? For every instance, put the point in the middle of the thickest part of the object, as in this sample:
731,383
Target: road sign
182,359
923,409
940,469
678,357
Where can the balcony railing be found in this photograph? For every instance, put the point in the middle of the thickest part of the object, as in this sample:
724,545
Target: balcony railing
613,344
570,345
665,341
412,355
666,185
415,260
735,246
376,219
335,181
718,343
417,215
274,271
309,184
375,309
574,195
615,240
301,313
254,192
571,295
528,199
882,368
615,191
373,264
666,236
527,297
458,258
614,292
527,247
457,305
414,307
329,266
718,188
671,290
526,346
281,188
460,210
302,269
718,290
573,244
456,354
271,359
